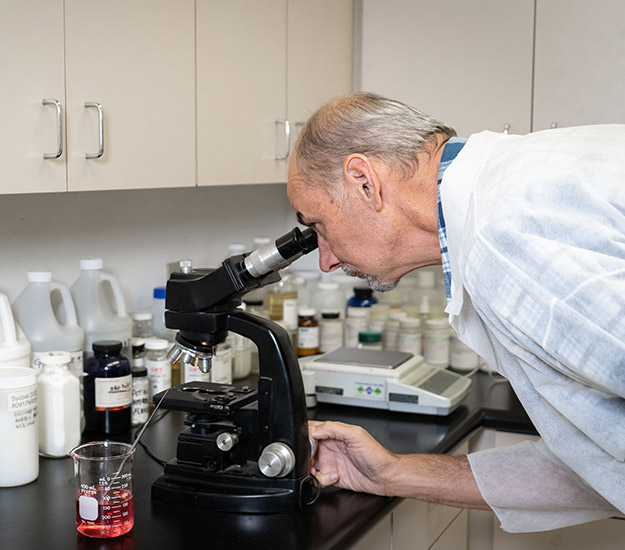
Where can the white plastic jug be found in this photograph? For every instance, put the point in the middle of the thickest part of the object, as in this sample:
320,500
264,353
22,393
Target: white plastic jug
100,319
34,312
14,347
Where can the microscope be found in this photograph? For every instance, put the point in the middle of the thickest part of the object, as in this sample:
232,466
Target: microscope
245,449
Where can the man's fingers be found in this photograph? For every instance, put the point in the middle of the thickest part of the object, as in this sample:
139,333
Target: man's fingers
329,430
325,479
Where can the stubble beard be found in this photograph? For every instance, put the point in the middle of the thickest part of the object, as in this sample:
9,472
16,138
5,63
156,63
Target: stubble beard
374,282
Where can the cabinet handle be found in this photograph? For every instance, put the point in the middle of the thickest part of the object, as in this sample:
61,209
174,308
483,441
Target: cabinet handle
100,131
59,128
506,128
287,139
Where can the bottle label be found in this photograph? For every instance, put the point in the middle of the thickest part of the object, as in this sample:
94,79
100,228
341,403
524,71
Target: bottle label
353,326
113,393
159,373
330,335
409,342
308,337
194,374
140,400
221,367
21,406
289,313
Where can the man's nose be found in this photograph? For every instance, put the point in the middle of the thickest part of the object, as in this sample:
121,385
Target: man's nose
327,260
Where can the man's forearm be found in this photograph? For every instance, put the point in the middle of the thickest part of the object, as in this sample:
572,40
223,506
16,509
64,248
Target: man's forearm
443,479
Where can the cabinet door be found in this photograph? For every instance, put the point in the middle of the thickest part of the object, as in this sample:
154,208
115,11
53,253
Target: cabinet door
580,63
467,63
241,91
31,35
320,55
136,59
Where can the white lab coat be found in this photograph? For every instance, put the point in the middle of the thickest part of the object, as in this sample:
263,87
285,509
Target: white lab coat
536,236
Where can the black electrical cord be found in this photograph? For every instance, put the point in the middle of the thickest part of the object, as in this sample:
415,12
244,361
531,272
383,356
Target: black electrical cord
156,418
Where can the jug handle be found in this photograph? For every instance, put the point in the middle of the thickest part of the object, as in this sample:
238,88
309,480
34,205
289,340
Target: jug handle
68,304
117,293
8,328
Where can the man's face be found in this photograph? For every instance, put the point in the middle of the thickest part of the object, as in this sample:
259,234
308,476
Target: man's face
346,234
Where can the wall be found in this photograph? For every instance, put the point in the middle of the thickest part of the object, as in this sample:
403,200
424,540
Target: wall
136,232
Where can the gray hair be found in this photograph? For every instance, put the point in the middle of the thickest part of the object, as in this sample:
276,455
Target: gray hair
364,123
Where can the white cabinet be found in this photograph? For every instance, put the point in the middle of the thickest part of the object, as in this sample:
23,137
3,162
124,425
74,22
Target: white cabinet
468,64
579,74
320,56
31,34
134,58
262,68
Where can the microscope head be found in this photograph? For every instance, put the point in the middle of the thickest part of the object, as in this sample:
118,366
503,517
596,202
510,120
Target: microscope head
199,301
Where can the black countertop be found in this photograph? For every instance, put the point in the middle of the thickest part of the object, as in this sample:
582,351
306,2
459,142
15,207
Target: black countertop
42,514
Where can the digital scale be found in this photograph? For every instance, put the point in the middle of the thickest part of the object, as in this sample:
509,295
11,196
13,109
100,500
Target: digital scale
391,380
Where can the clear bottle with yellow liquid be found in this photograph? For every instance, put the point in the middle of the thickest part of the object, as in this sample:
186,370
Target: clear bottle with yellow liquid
282,298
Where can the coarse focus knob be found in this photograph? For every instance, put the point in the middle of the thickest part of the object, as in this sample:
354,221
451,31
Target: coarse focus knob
313,445
276,460
225,441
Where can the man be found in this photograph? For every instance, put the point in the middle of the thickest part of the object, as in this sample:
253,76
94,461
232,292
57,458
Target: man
530,231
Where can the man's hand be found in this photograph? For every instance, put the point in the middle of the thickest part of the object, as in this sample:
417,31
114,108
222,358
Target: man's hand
350,458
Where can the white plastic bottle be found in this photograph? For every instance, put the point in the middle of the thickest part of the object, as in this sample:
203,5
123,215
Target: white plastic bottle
58,403
355,323
159,367
34,313
15,348
437,342
19,452
329,296
100,319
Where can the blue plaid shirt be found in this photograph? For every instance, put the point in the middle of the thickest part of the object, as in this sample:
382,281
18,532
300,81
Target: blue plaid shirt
452,148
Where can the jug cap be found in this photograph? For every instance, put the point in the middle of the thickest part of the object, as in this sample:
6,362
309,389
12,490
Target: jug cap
142,315
156,343
39,276
55,358
107,346
16,377
91,263
159,292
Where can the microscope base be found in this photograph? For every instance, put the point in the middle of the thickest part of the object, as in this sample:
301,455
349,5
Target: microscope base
230,493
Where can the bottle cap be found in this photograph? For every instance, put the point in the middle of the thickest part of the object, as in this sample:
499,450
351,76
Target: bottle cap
253,302
397,314
410,323
328,285
363,292
87,264
112,347
16,377
159,293
156,344
39,276
330,314
142,316
307,312
437,323
139,371
368,337
357,312
55,358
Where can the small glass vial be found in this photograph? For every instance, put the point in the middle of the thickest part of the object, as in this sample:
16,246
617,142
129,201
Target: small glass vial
58,394
409,337
355,322
331,331
159,367
436,350
108,389
138,351
140,395
370,340
307,333
142,324
221,364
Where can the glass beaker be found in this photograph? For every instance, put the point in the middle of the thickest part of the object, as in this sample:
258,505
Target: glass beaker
104,491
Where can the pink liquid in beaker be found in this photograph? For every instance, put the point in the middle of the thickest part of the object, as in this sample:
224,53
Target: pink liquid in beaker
115,516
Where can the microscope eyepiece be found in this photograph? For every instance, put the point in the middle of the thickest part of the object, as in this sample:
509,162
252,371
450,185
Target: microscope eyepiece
278,255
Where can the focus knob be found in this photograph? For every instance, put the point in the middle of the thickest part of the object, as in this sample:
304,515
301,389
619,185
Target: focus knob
276,460
225,441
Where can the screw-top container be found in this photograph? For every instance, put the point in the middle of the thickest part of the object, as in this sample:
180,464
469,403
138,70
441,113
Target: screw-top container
329,296
34,313
19,452
108,389
14,346
58,396
363,297
159,367
370,340
100,319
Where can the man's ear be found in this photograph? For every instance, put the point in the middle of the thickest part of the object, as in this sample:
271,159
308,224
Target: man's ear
361,178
